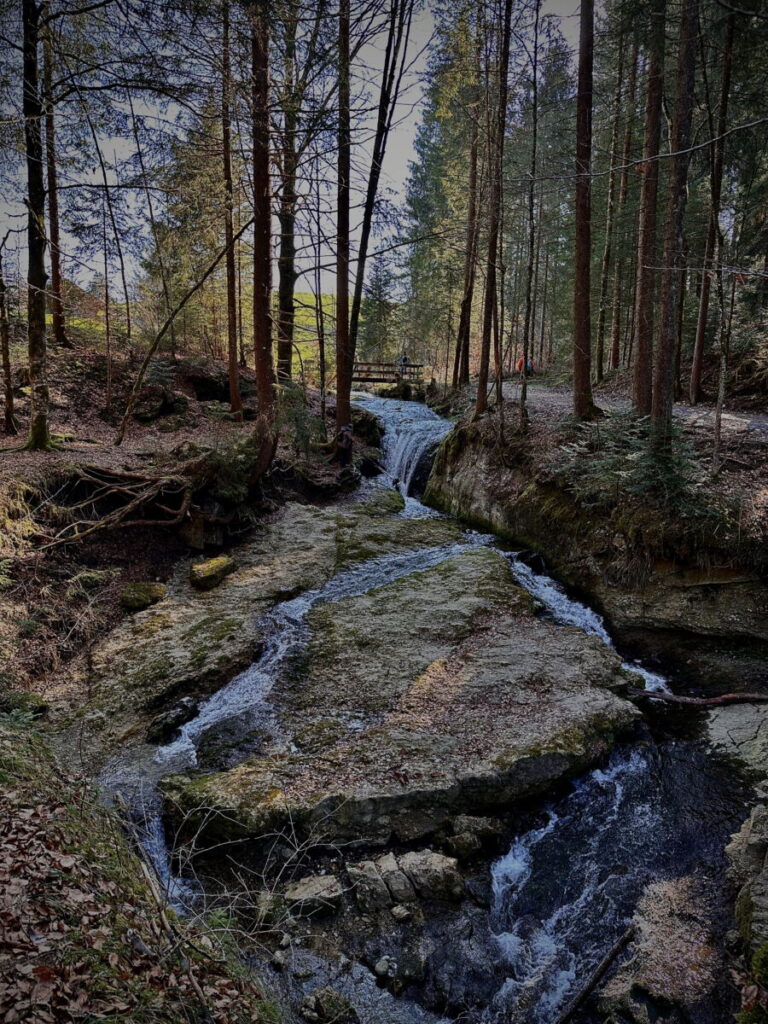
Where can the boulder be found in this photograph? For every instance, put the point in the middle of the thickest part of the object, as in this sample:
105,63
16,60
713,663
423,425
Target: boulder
150,403
433,875
370,890
675,966
138,596
741,731
396,881
327,1006
314,896
461,699
748,856
209,574
164,726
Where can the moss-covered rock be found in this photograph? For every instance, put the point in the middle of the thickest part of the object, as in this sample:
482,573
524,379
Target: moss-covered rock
635,561
440,693
138,596
196,640
209,574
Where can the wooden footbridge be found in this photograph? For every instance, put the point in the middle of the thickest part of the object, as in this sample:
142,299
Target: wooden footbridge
386,373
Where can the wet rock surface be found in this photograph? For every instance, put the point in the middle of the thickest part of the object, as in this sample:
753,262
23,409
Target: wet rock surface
195,640
748,856
457,695
468,481
674,962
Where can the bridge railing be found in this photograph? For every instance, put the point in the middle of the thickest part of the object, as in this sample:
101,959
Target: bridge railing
386,373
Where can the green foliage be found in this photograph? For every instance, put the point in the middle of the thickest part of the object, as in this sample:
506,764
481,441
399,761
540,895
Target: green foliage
296,420
615,460
161,371
754,1016
760,965
6,580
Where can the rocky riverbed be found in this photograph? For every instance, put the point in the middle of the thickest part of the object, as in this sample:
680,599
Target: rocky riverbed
375,716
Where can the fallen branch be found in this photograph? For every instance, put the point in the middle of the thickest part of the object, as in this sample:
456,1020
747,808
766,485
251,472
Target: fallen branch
594,979
701,702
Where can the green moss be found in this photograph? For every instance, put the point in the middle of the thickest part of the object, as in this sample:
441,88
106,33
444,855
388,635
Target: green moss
209,574
151,672
138,596
760,965
743,914
756,1016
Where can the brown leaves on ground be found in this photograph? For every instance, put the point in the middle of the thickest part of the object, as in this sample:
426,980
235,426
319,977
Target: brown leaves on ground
81,937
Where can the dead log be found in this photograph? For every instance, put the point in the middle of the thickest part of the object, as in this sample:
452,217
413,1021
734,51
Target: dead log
700,702
595,977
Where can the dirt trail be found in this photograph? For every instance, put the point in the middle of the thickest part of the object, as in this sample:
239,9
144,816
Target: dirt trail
546,400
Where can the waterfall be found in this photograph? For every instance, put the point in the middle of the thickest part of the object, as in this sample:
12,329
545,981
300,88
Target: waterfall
412,433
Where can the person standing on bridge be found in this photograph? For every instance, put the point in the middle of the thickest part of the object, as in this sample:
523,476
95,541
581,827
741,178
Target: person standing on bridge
403,362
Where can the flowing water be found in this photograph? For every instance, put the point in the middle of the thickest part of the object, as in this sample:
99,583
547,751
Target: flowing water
567,886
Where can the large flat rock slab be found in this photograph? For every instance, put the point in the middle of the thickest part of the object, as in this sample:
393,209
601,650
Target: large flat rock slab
438,694
194,641
741,731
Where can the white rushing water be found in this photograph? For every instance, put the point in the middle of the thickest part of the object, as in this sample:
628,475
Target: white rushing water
288,634
570,612
551,897
412,432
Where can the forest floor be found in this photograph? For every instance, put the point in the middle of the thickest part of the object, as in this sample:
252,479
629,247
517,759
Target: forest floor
546,399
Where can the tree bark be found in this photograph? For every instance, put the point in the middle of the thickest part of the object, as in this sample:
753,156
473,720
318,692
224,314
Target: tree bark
262,236
618,277
718,149
286,263
583,404
57,299
529,325
461,362
496,169
37,278
609,218
9,418
235,402
674,254
343,346
646,235
401,14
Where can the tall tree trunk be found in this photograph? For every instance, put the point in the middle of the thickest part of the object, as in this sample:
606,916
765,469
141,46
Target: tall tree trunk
529,325
286,263
262,237
153,222
583,404
399,29
718,149
609,217
496,168
39,436
618,277
344,354
646,234
57,299
9,419
461,362
107,317
674,254
235,402
542,332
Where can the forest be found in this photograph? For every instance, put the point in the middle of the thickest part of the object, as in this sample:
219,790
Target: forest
384,511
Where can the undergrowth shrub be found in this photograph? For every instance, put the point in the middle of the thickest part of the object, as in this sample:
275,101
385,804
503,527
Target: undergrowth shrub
296,421
615,460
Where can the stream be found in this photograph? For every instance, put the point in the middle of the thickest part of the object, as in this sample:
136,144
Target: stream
568,885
